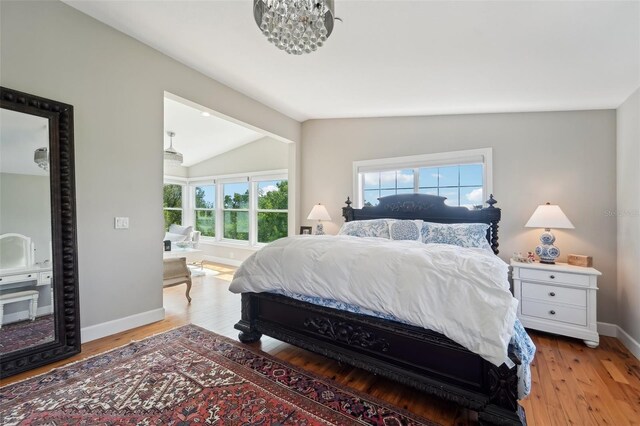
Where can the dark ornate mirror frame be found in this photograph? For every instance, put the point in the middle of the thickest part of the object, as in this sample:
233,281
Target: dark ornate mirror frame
63,233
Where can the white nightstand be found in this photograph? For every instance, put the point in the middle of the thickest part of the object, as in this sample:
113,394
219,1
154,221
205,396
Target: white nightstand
558,299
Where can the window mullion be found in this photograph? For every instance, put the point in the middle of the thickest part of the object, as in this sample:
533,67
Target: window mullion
253,217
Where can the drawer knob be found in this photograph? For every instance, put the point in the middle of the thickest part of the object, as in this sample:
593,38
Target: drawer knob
29,276
551,293
552,276
552,312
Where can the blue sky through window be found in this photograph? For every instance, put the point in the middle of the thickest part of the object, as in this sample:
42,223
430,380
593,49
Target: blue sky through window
461,184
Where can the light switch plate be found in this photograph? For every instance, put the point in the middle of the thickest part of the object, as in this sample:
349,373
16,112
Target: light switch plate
121,223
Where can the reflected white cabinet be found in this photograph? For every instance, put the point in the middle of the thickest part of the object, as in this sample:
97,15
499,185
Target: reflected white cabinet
16,280
560,299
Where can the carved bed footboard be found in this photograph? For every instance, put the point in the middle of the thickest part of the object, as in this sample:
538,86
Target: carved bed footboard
414,356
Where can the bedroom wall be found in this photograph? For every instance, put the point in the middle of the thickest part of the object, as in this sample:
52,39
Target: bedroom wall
628,217
261,155
116,85
568,158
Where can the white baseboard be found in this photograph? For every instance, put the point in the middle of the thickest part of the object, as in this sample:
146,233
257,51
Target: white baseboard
24,315
108,328
607,329
223,260
613,330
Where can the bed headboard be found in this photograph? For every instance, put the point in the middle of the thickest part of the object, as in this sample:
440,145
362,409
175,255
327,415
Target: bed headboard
430,208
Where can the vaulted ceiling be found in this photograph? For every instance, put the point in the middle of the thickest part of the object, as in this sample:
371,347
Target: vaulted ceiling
395,58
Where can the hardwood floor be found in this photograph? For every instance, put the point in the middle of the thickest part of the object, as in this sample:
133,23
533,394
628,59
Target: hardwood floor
572,384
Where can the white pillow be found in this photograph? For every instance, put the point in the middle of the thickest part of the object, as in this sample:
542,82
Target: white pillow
174,238
405,230
179,229
366,228
472,235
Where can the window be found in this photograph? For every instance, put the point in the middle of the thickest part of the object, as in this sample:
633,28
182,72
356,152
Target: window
381,184
272,216
248,210
172,205
236,211
461,184
463,177
204,213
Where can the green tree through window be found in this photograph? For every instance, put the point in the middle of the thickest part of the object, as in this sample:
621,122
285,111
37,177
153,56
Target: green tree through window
236,211
172,205
273,200
204,213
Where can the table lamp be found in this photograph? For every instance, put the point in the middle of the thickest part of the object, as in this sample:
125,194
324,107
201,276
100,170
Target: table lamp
319,213
548,216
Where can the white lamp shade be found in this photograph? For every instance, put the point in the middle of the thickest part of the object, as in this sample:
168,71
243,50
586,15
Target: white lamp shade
319,212
549,216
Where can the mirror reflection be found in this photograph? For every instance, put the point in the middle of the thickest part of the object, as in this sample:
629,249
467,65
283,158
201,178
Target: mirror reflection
26,275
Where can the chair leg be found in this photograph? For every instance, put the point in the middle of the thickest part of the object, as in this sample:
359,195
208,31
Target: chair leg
188,290
34,308
1,313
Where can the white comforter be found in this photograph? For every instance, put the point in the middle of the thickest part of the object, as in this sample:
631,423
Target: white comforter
462,293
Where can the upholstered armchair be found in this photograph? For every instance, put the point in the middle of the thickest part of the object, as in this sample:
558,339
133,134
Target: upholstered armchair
175,272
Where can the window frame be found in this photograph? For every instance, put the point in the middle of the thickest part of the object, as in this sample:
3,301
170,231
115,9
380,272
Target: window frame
254,220
194,209
222,209
183,196
482,156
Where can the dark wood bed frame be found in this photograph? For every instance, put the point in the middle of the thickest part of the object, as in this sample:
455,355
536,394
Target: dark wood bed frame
414,356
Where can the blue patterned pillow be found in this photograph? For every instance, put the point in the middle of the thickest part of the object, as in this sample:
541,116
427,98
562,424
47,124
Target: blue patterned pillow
405,230
459,234
366,228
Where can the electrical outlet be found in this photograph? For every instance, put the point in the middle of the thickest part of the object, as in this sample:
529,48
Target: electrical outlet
121,223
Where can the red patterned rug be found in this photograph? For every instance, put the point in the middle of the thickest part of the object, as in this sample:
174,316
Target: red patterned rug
25,334
190,376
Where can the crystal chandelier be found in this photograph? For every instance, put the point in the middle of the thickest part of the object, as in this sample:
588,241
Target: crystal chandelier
41,158
170,154
295,26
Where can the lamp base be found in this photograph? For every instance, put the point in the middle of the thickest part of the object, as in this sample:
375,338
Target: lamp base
319,229
546,251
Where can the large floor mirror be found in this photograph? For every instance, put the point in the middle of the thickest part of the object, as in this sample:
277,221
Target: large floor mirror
39,321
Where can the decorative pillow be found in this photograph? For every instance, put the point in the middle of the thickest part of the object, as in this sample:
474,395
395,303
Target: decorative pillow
366,228
184,230
405,230
174,238
459,234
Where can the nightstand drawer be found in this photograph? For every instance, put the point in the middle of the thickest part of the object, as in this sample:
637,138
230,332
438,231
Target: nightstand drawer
552,277
554,312
45,278
554,294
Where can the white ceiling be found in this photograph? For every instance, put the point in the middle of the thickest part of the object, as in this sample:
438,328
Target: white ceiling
20,135
198,137
393,58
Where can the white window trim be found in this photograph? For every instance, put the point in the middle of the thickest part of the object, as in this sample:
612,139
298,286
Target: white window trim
188,203
480,155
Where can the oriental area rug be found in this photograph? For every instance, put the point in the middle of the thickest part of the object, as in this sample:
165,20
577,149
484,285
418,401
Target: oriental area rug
190,376
25,334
